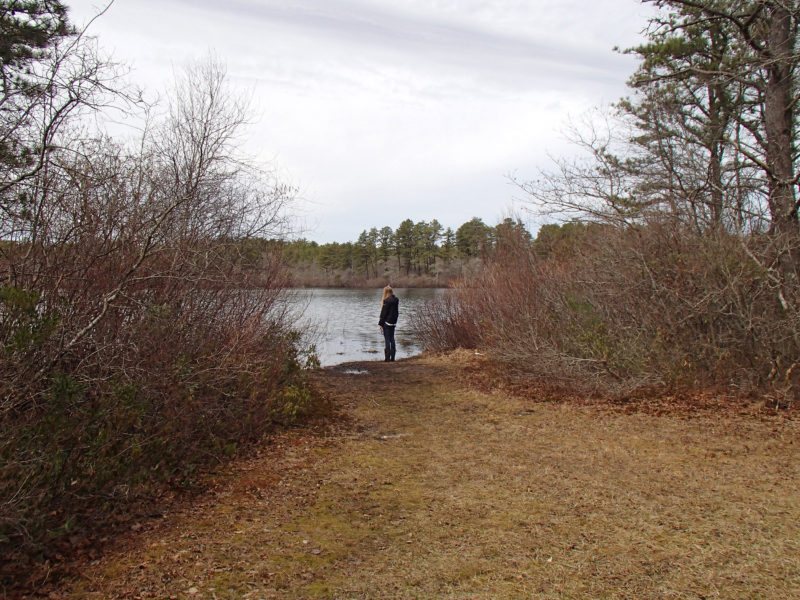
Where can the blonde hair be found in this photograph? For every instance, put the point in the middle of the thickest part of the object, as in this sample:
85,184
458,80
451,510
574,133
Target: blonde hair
387,291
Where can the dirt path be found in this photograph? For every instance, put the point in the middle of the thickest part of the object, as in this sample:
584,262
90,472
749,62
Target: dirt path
432,490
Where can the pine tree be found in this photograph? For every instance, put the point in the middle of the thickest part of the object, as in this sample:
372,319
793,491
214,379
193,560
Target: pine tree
729,63
29,29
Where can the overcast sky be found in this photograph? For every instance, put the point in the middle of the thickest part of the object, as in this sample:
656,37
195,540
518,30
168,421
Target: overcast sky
382,110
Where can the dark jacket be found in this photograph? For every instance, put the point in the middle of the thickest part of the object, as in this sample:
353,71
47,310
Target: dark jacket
389,311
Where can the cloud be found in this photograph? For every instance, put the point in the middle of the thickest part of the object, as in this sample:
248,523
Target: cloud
382,108
356,32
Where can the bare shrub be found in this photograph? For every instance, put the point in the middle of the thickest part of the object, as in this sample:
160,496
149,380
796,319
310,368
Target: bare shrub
443,324
631,308
141,337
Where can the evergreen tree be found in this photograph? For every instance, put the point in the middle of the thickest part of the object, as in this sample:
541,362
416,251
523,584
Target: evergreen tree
686,109
448,246
420,235
366,251
404,245
722,63
329,257
511,229
433,234
473,238
48,73
29,29
385,242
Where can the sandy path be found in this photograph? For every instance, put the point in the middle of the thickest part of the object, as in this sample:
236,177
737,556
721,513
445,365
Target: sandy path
431,490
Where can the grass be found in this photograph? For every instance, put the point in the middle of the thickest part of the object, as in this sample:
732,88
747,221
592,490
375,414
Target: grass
431,489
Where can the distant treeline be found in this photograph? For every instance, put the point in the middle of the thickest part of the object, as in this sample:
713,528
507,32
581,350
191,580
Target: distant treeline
413,254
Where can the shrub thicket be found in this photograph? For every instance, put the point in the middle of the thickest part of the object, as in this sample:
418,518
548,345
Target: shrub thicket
140,339
630,308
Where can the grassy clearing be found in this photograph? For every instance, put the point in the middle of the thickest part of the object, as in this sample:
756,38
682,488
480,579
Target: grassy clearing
430,489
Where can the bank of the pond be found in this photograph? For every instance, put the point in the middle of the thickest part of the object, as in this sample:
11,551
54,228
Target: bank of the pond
427,488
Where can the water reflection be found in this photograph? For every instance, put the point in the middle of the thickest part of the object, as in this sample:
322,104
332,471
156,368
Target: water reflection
343,324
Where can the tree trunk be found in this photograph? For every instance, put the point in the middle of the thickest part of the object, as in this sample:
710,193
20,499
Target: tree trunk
778,120
719,116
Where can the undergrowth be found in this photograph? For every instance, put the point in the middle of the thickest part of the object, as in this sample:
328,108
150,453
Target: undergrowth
620,310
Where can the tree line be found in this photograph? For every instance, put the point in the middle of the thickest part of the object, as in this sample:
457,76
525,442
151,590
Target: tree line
424,248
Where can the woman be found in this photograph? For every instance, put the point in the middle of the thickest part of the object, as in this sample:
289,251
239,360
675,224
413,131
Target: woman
388,321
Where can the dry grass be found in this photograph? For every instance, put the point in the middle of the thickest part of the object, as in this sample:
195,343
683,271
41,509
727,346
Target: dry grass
430,489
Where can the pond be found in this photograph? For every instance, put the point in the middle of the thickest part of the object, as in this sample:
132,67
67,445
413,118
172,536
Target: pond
343,324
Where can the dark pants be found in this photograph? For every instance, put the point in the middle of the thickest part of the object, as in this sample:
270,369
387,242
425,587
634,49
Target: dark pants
390,348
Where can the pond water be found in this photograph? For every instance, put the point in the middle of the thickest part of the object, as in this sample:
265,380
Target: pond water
343,324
